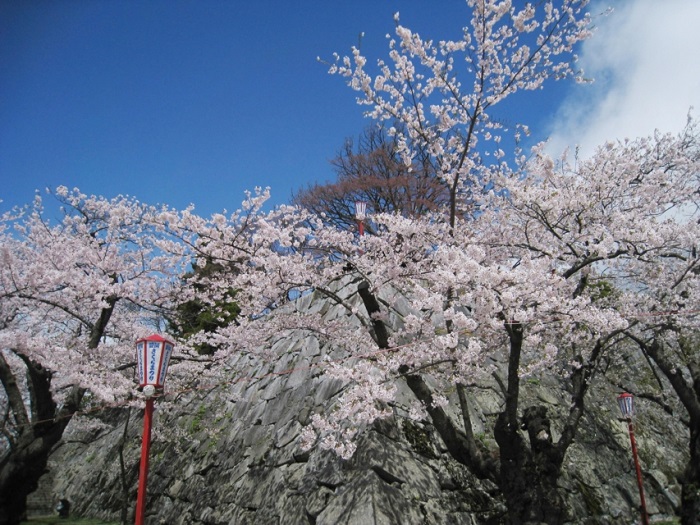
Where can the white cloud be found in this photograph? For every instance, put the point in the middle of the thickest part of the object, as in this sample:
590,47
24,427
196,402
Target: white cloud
645,59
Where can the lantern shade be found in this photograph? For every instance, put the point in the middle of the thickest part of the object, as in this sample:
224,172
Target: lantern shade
152,357
360,209
626,403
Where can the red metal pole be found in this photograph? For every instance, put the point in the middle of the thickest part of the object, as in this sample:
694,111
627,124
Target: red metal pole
362,227
645,516
143,470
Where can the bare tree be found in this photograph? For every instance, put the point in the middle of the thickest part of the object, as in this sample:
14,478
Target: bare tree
372,170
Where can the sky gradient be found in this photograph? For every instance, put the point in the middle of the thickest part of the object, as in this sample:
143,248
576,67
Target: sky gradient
194,102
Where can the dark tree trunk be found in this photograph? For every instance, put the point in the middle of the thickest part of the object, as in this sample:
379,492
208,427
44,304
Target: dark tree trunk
458,443
530,468
690,481
689,394
26,463
529,472
20,475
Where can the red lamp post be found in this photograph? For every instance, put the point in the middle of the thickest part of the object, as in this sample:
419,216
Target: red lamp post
360,214
626,403
152,357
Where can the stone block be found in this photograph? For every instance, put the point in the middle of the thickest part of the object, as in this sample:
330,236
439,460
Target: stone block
368,500
396,464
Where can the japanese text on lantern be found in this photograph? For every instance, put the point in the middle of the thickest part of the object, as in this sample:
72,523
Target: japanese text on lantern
153,347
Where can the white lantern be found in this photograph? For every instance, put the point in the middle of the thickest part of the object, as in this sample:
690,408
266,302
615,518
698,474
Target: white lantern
360,209
152,357
626,403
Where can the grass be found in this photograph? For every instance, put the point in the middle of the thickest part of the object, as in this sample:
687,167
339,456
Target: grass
55,520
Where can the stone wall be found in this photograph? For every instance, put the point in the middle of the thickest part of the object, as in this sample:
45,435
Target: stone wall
236,459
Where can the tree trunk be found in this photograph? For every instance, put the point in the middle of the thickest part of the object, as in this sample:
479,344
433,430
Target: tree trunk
690,480
26,462
19,476
689,394
529,474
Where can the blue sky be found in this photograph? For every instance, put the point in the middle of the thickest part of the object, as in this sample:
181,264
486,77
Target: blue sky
193,102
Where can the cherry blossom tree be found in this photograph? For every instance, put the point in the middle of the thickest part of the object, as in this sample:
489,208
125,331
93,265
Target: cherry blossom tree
438,304
447,304
555,277
646,228
74,296
567,264
623,226
439,307
443,93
